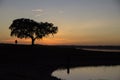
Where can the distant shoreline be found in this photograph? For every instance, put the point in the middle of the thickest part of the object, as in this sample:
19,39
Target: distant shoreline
103,50
80,46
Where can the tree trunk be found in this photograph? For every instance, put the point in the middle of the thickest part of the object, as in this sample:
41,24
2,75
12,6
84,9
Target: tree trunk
33,40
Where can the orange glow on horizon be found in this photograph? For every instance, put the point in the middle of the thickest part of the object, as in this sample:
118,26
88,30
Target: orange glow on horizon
61,41
44,41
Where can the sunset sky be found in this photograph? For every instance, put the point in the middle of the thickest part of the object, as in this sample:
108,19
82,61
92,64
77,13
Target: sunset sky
80,22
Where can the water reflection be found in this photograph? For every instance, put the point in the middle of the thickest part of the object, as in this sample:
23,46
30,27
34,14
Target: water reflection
90,73
104,50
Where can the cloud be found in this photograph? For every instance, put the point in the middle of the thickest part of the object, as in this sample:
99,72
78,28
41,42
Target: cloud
38,15
38,10
41,12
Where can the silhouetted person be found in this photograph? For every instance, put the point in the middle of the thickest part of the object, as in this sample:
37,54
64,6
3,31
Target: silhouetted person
16,41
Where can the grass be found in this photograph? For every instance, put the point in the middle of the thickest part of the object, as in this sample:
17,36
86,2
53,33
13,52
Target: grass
26,62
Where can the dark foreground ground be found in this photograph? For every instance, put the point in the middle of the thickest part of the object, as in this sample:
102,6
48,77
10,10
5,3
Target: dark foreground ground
25,62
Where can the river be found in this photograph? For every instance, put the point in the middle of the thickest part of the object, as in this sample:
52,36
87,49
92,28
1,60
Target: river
89,73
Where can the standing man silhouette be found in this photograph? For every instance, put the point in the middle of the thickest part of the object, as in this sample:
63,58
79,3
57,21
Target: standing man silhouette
16,41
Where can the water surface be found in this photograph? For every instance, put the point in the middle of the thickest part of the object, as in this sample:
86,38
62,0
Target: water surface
104,50
90,73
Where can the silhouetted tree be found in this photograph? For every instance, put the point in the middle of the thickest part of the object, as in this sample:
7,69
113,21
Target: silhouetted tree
27,28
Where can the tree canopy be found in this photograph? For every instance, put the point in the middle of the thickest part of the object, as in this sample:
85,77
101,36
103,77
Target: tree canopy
28,28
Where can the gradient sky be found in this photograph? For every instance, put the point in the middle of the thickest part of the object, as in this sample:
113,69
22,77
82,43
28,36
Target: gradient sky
80,22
